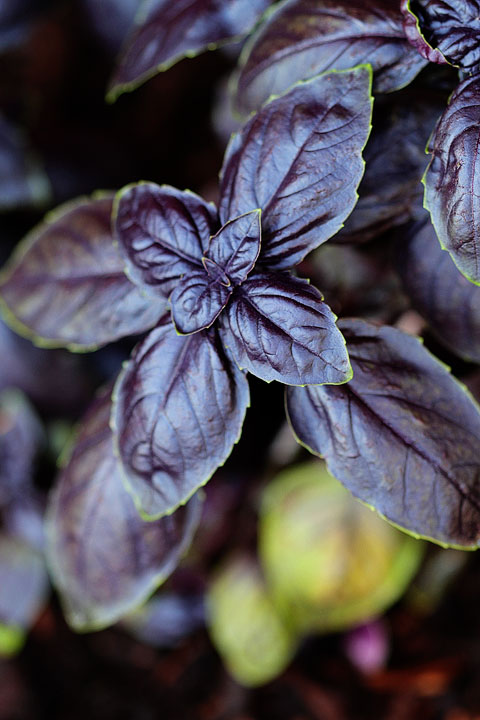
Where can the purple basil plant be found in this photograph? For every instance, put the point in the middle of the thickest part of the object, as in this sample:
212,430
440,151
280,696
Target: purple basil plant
221,291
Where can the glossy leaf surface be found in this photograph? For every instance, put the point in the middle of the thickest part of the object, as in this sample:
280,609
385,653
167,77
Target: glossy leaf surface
250,635
299,160
452,181
446,30
304,37
415,37
330,562
440,293
198,300
104,558
65,285
179,409
167,32
403,435
200,296
236,246
278,328
162,234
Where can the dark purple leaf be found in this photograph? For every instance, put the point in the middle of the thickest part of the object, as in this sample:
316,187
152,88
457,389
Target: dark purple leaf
168,31
300,160
304,37
162,233
20,440
278,328
445,30
22,182
403,435
104,558
179,409
440,293
23,583
395,160
236,246
452,180
65,285
415,37
197,301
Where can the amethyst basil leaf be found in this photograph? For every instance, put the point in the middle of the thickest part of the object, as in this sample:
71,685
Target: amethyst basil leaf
403,435
415,37
278,328
445,30
162,234
440,293
178,410
299,160
301,38
168,31
236,246
65,285
201,296
104,558
198,300
452,180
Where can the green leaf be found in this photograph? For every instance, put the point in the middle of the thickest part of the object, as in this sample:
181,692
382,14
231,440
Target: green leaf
330,561
249,634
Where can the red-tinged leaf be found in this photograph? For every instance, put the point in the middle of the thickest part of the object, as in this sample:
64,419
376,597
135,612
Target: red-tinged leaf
162,234
104,559
178,410
65,284
452,180
445,30
300,160
168,31
415,37
402,436
278,328
301,38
